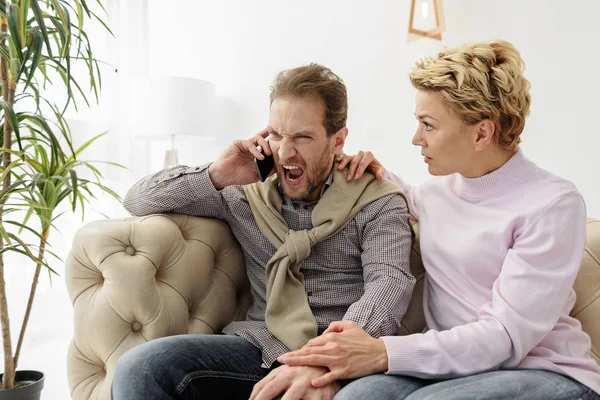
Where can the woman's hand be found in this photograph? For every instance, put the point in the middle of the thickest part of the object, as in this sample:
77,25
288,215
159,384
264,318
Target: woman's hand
344,348
361,162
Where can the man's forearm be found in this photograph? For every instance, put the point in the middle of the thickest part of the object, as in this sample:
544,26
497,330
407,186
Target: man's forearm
388,281
381,309
182,189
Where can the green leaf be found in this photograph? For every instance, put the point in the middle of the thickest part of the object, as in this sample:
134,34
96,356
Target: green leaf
35,61
62,71
9,190
36,96
15,31
63,194
65,27
81,197
97,173
83,186
80,16
23,226
46,78
14,122
24,246
5,236
15,67
13,248
87,144
103,24
109,191
9,169
57,153
87,9
101,5
39,17
64,128
4,53
42,155
23,8
114,164
59,34
34,47
53,253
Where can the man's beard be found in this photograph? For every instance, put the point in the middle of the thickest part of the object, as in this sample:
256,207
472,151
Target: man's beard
315,175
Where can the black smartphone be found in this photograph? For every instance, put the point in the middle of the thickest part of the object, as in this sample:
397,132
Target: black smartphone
264,167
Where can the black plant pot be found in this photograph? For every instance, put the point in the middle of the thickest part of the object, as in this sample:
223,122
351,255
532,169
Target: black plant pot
31,391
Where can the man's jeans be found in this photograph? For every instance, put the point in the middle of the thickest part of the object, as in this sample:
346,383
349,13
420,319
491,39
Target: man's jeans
189,367
497,385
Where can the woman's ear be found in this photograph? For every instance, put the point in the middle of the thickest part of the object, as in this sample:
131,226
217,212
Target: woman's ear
485,134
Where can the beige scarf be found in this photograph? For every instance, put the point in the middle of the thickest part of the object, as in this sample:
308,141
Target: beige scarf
288,315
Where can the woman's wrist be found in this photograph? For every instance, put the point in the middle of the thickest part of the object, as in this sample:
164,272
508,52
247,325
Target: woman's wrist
381,357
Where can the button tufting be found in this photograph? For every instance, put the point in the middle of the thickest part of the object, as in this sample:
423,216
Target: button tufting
130,250
136,326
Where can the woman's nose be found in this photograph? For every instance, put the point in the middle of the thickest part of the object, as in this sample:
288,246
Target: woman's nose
418,138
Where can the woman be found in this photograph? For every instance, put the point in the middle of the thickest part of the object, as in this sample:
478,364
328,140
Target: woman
501,240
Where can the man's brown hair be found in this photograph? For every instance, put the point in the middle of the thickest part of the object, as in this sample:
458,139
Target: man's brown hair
318,82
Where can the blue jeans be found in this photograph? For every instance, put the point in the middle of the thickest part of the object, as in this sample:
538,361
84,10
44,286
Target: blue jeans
189,367
497,385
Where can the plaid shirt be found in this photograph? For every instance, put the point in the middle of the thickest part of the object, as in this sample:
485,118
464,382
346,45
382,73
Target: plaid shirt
361,273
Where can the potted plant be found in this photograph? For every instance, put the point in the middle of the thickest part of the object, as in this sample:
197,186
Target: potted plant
40,41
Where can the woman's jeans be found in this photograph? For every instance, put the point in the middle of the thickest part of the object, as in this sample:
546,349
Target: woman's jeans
498,385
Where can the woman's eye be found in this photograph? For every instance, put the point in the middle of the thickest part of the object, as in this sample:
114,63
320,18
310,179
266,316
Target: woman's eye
427,126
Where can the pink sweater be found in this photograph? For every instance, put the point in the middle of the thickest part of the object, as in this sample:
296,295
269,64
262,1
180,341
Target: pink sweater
501,253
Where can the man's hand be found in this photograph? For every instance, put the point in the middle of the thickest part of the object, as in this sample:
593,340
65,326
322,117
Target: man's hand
295,381
359,163
235,166
344,348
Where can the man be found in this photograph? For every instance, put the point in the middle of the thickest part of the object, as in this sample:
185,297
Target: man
318,246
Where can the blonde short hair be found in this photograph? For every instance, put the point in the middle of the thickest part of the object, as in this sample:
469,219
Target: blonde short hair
479,81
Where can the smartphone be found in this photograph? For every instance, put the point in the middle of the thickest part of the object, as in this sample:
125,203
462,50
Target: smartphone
264,167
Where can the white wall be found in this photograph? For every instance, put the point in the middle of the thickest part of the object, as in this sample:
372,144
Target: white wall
241,44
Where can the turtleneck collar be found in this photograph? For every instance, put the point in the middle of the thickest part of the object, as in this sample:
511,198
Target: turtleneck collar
487,185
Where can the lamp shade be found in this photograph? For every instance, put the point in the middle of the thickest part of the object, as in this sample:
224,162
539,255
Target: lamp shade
167,106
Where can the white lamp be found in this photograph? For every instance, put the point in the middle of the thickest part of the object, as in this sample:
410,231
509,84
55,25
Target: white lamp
168,106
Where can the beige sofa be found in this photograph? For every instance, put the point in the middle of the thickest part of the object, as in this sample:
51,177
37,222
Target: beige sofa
141,278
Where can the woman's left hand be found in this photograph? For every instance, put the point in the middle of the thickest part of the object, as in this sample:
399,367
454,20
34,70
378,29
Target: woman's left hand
359,163
344,348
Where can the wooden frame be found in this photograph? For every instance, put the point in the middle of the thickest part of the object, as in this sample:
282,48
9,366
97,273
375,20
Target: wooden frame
440,25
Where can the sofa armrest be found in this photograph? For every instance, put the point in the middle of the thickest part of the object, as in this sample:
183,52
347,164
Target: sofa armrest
587,288
141,278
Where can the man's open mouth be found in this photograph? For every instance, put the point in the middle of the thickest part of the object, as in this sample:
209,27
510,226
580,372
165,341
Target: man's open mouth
293,173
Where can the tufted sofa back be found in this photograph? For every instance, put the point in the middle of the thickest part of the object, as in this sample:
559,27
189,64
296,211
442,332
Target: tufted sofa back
137,279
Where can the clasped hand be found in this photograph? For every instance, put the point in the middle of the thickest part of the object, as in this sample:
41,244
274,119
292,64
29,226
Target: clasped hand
343,351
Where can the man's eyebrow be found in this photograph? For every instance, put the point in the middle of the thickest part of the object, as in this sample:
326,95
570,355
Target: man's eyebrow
306,132
421,116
